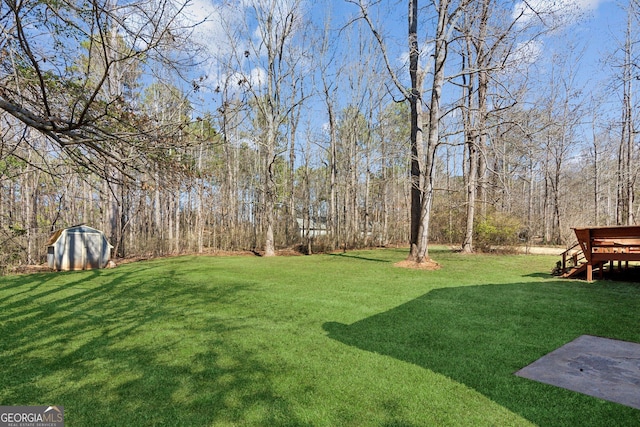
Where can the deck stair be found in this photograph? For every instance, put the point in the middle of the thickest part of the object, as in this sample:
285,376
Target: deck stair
573,262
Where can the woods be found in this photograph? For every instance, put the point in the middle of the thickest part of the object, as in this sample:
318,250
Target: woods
182,127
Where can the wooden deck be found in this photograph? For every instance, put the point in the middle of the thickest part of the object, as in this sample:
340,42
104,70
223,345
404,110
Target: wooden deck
598,246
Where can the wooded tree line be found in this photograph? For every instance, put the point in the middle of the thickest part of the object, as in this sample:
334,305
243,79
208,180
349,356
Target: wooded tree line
306,133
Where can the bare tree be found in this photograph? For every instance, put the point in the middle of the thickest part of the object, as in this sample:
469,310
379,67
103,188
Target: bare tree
496,44
82,107
268,68
422,152
626,175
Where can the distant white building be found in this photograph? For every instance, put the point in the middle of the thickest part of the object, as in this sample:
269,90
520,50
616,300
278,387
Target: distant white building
78,248
315,229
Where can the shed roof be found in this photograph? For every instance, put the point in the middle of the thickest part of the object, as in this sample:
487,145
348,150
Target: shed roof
56,235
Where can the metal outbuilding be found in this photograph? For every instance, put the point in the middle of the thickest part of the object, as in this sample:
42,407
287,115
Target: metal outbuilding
78,248
311,227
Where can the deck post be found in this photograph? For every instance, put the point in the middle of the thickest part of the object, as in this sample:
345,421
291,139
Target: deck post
589,272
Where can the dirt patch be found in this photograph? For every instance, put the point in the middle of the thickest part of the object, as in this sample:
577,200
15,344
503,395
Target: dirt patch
213,253
427,264
28,269
289,252
515,250
542,250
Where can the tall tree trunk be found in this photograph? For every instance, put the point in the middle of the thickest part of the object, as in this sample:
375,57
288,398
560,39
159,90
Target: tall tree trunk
625,152
596,176
470,172
200,201
293,128
476,123
471,187
177,246
269,189
332,221
421,250
417,240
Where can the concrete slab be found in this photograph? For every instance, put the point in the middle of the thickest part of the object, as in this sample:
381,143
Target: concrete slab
600,367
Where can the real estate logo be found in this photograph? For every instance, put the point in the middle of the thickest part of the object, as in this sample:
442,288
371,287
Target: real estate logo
31,416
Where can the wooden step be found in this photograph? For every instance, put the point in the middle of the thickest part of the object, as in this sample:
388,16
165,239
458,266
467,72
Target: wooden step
574,271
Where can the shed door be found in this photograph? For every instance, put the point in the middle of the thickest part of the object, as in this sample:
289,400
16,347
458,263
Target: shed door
93,246
75,251
84,250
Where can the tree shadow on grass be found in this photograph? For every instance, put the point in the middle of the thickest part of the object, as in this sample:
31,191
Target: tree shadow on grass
360,257
481,335
13,286
539,275
134,347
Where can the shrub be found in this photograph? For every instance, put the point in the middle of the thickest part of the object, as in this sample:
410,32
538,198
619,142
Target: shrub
497,229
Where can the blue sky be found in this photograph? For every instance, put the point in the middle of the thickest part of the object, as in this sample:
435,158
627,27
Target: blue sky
601,30
602,21
598,27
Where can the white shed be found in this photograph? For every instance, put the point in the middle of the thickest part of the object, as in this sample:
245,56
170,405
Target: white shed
313,228
78,248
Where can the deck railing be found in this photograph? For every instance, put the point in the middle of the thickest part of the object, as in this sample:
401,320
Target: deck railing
575,255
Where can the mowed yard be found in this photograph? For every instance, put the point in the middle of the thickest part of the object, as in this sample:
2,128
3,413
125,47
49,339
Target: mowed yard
327,340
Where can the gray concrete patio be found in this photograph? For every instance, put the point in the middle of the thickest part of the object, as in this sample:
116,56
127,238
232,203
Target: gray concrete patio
600,367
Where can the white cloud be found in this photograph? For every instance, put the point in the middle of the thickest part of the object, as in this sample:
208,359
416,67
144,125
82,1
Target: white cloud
213,23
215,26
236,83
326,128
230,39
527,53
258,77
553,12
425,57
588,5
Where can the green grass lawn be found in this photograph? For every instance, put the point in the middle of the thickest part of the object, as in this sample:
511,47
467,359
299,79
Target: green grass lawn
327,340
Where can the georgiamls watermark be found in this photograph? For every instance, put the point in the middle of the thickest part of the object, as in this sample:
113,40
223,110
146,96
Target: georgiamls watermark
31,416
